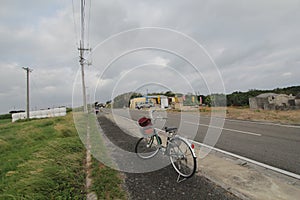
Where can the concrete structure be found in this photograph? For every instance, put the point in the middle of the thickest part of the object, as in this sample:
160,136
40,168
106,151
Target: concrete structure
272,101
161,101
135,101
297,100
164,103
55,112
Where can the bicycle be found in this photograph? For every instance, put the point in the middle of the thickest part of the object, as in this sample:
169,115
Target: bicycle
180,150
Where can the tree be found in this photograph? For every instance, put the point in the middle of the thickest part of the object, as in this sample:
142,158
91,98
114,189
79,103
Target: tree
123,100
218,100
207,100
135,95
238,99
169,94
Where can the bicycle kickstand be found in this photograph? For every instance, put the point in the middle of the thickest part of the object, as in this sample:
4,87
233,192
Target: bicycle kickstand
180,180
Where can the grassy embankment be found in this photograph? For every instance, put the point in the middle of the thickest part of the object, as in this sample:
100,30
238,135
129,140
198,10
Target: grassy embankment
45,159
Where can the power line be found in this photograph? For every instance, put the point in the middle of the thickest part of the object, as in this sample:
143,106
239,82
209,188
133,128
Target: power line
75,25
88,24
82,20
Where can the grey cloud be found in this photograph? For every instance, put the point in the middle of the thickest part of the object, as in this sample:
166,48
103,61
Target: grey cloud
251,41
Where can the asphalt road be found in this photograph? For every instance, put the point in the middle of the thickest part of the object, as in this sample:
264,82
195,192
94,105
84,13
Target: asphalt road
158,184
273,144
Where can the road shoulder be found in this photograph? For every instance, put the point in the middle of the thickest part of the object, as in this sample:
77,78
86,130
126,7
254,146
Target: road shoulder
159,184
245,180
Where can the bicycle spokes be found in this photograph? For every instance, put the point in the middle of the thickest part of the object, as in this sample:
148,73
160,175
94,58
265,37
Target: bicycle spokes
182,158
147,147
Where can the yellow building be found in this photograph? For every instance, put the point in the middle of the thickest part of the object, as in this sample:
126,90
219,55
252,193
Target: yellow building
135,101
156,100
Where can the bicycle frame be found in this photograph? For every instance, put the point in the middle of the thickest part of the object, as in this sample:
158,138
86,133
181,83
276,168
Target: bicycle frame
179,149
168,144
168,137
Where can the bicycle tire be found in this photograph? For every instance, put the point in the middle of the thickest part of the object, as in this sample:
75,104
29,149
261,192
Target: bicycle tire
147,147
182,158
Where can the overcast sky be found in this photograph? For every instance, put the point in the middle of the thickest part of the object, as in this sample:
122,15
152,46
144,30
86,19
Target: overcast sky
201,46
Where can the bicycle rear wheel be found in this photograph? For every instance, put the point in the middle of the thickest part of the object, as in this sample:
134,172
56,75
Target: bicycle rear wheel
182,157
148,147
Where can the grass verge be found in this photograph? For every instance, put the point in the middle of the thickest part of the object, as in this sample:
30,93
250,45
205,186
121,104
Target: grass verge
45,159
41,159
107,182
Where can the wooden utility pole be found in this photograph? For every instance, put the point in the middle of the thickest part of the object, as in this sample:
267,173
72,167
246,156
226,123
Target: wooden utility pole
28,70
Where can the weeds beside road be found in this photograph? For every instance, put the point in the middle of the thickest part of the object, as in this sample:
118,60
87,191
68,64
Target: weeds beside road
45,159
244,113
41,159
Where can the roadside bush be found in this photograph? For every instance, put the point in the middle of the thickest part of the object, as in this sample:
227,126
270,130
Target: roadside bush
5,116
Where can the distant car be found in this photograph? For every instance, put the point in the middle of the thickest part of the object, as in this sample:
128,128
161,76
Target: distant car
144,105
101,105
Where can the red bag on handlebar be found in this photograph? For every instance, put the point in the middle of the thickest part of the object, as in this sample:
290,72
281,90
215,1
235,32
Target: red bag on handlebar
144,121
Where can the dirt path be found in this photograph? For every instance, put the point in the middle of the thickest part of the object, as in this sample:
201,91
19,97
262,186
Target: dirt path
160,184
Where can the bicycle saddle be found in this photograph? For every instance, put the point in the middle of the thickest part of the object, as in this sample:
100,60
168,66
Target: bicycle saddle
170,129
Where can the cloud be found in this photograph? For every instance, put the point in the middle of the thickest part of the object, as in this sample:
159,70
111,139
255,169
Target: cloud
287,74
255,44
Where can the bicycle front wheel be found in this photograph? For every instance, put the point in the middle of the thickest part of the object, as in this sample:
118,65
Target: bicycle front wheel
182,157
148,147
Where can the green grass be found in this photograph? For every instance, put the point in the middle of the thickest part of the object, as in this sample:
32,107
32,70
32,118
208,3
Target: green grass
106,182
45,159
4,121
41,159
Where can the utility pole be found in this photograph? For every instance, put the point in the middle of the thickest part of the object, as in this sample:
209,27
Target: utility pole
28,70
82,59
85,109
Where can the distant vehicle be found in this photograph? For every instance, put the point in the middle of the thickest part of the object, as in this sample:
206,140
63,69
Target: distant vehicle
101,105
141,105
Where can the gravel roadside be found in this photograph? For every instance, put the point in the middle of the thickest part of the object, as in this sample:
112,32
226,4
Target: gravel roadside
160,184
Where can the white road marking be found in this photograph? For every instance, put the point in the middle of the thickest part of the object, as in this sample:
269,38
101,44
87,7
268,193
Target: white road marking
227,129
291,174
257,122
